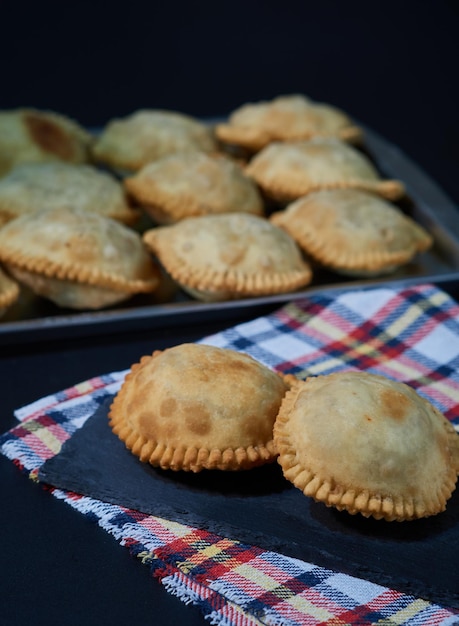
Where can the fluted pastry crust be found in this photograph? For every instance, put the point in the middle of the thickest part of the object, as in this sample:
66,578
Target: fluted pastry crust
353,231
29,135
232,255
36,186
286,171
188,184
285,118
129,143
76,259
9,291
195,407
367,444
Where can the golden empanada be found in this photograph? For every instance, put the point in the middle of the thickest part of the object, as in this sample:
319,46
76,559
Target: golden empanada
195,407
30,136
219,257
9,292
286,171
187,184
77,259
36,186
129,143
366,444
353,231
285,118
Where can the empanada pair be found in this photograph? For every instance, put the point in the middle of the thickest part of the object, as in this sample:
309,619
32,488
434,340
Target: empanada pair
353,440
128,144
218,257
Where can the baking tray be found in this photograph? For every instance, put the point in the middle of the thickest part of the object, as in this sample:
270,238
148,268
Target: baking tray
35,319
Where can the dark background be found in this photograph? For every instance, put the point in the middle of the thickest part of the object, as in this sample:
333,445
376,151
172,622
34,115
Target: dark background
392,65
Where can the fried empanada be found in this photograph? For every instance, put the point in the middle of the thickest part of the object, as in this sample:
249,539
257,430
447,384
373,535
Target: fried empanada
367,444
233,255
188,184
288,170
353,232
37,186
129,143
77,259
31,136
195,407
285,118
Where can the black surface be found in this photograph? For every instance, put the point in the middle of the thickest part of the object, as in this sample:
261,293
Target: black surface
261,508
56,567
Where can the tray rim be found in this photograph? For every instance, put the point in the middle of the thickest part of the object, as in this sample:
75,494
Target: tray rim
168,316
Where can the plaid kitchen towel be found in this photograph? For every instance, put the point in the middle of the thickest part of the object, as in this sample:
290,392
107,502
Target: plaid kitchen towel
409,334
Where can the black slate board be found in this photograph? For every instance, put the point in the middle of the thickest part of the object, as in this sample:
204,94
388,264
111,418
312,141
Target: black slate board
260,507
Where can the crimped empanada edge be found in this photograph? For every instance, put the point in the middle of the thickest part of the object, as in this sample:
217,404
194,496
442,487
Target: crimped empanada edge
77,272
332,494
191,459
208,279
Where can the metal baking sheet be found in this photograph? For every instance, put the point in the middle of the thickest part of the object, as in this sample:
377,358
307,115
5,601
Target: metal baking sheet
35,319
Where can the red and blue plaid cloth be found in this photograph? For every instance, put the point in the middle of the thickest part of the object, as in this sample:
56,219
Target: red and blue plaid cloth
410,334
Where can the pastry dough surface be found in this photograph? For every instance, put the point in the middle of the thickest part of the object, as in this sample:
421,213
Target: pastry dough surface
367,444
285,118
188,184
229,255
37,186
31,136
129,143
286,171
77,259
194,407
353,231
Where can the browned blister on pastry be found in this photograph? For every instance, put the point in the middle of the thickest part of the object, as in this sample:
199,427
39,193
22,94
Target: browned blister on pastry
188,184
36,186
366,444
129,143
9,291
288,170
352,231
195,407
30,136
77,259
219,257
285,118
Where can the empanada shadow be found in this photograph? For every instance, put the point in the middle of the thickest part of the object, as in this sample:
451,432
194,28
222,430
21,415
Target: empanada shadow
264,480
412,531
